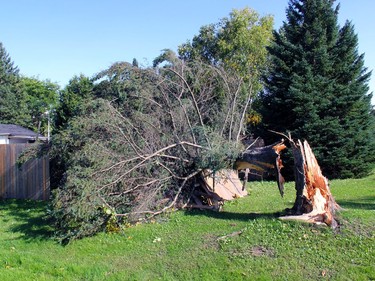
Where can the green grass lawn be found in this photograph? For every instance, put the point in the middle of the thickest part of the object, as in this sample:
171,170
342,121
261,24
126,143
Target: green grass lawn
194,245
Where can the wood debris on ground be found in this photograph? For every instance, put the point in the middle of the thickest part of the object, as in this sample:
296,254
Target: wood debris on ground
314,202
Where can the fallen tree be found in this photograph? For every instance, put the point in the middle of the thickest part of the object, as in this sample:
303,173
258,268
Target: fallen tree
216,187
145,146
154,141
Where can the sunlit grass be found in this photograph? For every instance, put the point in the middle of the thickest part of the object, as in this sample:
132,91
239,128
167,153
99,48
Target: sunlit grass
196,245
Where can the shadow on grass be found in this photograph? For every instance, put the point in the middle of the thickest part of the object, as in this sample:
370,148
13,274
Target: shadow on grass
224,215
364,203
27,218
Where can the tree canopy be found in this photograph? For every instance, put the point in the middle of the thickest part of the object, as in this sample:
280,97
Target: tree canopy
41,98
138,148
7,67
72,99
316,88
23,100
237,43
12,99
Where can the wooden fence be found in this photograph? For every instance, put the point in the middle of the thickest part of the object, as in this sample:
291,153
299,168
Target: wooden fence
30,181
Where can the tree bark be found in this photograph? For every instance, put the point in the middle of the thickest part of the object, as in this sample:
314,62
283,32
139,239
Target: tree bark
314,202
264,159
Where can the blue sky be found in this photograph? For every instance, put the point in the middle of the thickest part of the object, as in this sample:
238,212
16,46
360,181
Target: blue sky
59,39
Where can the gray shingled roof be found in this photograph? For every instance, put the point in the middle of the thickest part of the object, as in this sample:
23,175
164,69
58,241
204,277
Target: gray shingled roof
16,130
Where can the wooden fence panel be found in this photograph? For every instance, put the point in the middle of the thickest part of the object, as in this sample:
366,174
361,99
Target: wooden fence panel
30,181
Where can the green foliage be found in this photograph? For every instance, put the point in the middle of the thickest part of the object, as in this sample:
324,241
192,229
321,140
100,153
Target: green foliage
72,102
167,56
72,98
135,63
24,101
7,68
220,155
316,88
243,40
41,98
138,146
13,108
12,99
78,152
237,43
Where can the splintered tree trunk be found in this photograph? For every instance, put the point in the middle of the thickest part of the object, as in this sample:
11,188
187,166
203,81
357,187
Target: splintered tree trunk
314,202
264,159
224,185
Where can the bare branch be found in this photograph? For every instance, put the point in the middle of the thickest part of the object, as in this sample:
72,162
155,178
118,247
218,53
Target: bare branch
172,204
194,102
244,113
234,104
148,157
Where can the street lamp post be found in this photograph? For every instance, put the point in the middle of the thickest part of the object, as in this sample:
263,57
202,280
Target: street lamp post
47,113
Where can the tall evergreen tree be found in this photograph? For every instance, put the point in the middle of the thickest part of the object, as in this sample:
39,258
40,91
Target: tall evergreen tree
7,68
12,101
317,88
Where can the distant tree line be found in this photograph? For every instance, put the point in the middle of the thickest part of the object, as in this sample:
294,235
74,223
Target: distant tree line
24,101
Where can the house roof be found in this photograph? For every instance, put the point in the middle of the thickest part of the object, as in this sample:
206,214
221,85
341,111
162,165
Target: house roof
17,131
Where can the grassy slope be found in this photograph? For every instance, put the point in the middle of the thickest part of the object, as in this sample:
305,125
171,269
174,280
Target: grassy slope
185,245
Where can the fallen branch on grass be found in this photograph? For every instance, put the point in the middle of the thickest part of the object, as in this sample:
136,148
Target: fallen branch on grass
233,234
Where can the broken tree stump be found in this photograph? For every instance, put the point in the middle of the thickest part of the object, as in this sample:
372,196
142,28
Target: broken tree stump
314,202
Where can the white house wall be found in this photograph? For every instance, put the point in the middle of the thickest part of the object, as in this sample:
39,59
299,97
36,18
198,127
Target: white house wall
4,140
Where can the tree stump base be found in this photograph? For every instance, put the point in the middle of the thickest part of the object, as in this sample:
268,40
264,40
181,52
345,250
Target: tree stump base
314,202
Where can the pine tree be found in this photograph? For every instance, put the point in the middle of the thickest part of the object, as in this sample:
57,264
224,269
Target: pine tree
12,103
7,68
316,88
